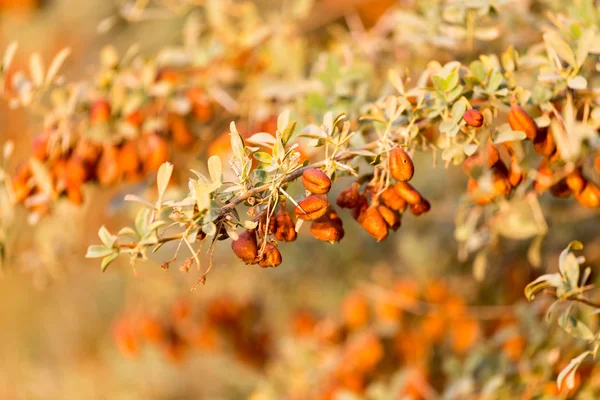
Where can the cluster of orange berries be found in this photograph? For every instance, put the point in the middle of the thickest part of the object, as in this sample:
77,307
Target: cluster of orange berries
505,179
71,162
376,213
224,323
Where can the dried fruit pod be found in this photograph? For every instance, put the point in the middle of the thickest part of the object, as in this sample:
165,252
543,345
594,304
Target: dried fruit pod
328,228
312,207
400,165
355,310
372,222
286,231
543,180
262,227
473,118
316,181
361,207
75,195
108,170
88,152
201,104
391,218
502,185
597,163
589,196
391,199
515,174
349,198
544,144
100,111
271,256
76,173
420,208
245,247
156,152
129,160
519,120
478,196
575,181
561,189
182,136
408,193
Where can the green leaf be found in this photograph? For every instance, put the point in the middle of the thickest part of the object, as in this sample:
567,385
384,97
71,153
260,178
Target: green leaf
577,83
283,120
107,260
574,327
210,229
560,47
541,283
478,70
127,231
288,132
569,371
106,237
509,136
237,143
215,168
583,46
162,178
98,251
263,157
494,82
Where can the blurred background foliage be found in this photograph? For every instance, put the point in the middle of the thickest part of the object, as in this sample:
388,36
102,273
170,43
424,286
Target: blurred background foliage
68,329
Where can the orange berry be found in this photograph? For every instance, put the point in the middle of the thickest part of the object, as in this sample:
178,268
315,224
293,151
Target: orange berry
372,222
157,152
100,111
473,118
245,247
420,208
39,147
286,230
408,193
328,228
108,170
349,198
519,120
312,207
575,181
391,199
271,256
355,310
316,181
589,196
400,165
391,218
182,136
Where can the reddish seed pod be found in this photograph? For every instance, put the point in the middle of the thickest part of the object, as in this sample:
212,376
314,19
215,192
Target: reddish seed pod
262,228
157,152
76,173
575,181
391,199
182,136
312,207
245,247
400,165
286,231
108,170
501,181
100,111
589,196
473,118
543,179
75,195
408,193
420,208
478,196
372,222
519,120
316,181
88,152
515,175
271,257
129,159
328,228
391,218
597,163
561,189
544,144
363,204
349,198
